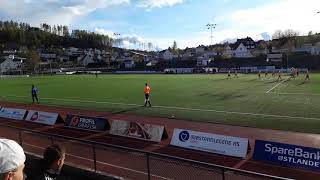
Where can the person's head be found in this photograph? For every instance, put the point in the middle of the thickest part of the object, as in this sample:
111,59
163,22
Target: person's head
32,85
53,157
146,84
12,160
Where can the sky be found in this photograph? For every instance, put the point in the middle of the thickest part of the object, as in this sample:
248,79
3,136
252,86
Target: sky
164,21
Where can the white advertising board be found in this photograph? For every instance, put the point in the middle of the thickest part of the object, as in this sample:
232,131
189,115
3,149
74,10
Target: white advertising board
214,143
12,113
42,117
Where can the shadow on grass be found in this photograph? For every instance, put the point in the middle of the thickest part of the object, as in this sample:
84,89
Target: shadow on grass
302,83
271,82
127,110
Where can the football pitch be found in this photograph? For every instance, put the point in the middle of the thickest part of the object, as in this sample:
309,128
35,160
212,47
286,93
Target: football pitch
292,105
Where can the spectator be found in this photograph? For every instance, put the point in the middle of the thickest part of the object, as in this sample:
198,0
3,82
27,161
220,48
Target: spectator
52,162
12,160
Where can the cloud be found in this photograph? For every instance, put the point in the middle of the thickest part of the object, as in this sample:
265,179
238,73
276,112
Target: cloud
132,41
285,14
104,32
151,4
53,11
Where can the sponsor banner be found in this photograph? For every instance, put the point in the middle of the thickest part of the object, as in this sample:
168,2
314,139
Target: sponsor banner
214,143
12,113
287,155
149,132
42,117
87,123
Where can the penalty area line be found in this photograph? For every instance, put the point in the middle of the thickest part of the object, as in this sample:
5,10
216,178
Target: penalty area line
276,85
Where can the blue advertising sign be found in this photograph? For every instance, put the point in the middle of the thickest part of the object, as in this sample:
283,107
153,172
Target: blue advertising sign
87,123
287,155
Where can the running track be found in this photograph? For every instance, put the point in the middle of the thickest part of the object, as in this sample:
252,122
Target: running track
133,165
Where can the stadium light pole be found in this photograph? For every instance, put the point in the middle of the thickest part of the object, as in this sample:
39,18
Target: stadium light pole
211,27
117,34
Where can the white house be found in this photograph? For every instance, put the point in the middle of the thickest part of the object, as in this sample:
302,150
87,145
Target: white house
167,55
237,50
228,52
11,63
242,52
86,59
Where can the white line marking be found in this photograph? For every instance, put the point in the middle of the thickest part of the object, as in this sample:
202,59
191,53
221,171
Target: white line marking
276,85
119,167
182,108
304,94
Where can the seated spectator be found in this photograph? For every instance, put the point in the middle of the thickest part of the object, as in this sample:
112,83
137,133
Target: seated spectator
12,160
51,164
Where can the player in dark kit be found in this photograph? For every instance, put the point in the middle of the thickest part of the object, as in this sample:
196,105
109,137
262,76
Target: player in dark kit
34,94
279,76
259,74
147,91
229,75
307,76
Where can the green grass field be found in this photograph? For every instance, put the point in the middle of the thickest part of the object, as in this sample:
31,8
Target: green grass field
291,105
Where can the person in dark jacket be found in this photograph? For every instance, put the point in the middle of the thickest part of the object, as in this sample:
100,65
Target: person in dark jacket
51,164
34,94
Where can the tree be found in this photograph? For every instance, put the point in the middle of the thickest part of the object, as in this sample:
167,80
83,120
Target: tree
175,49
174,46
33,61
65,30
277,34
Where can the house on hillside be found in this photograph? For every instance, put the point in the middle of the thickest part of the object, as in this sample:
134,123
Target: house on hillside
248,42
72,51
11,63
241,51
308,48
199,50
228,51
188,53
85,59
47,56
167,55
237,50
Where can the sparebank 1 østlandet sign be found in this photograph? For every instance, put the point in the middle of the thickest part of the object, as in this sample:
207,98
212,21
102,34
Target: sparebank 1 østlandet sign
287,154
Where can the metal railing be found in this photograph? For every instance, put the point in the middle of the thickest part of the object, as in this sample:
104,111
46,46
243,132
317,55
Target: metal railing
124,161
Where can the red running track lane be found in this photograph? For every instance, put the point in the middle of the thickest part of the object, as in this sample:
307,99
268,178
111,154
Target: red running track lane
121,163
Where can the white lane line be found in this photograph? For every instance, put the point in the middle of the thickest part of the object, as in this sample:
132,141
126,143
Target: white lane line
112,165
276,85
182,108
